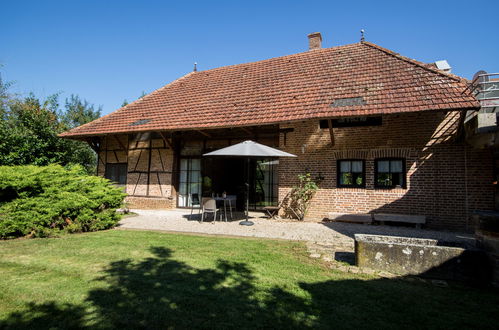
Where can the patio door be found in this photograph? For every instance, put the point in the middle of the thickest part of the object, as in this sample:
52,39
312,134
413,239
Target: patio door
263,183
190,180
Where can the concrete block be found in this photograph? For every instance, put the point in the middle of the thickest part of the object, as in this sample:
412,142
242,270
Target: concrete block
384,217
423,257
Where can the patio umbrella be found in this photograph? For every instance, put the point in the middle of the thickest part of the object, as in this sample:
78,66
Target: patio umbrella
249,149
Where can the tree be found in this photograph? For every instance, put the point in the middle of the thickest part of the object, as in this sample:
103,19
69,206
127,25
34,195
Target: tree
29,133
79,112
4,96
29,129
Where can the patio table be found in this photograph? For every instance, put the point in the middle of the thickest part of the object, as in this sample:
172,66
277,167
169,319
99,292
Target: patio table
226,200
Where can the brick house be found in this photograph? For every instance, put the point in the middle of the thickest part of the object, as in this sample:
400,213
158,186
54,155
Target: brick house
382,131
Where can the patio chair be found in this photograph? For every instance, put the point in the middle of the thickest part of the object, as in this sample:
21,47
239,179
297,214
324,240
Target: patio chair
209,206
273,211
195,202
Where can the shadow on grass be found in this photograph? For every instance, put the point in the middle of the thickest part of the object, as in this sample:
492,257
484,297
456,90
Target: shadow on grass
160,292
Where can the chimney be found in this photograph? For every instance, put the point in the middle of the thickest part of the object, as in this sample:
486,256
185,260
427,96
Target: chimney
443,65
314,41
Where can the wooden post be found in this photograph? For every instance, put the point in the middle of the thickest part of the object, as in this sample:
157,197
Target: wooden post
331,133
149,165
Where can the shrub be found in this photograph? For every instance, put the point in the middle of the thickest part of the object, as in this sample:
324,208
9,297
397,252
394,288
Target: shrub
44,201
298,200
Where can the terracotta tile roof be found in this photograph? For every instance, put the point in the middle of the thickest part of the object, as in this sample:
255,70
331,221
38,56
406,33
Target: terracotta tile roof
351,80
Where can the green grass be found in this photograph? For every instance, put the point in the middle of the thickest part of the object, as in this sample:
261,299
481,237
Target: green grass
135,279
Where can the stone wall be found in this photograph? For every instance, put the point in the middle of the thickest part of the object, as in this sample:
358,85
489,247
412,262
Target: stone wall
423,257
446,180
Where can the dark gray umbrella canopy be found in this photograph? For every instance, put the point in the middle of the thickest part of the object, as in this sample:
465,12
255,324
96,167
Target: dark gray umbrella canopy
249,149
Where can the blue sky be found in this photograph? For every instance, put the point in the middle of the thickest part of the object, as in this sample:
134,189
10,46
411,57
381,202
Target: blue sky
108,51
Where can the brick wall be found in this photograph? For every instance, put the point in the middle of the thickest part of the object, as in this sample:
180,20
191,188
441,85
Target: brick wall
445,179
153,203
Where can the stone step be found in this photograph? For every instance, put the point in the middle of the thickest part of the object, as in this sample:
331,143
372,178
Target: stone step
407,218
350,217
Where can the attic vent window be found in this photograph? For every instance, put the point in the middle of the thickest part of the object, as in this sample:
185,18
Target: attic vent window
348,101
140,122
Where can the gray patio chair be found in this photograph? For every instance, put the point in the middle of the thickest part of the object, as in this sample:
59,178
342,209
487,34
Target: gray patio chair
195,202
209,206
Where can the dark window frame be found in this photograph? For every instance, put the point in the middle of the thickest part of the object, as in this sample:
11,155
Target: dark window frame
338,173
107,170
404,173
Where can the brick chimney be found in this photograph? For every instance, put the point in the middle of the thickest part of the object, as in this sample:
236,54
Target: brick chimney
314,41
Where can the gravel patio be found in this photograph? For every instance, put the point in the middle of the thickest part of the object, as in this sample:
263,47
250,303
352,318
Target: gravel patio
337,234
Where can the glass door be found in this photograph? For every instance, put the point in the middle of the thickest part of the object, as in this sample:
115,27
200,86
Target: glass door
264,186
190,180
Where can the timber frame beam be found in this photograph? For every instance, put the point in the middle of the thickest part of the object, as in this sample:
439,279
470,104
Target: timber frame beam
120,143
94,144
204,133
247,130
167,140
331,133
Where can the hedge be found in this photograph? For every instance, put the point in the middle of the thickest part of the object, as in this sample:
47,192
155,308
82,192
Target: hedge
45,201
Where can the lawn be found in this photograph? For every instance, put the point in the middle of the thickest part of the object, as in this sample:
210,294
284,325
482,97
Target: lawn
137,279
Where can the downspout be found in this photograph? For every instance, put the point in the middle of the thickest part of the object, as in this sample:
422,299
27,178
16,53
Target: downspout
466,206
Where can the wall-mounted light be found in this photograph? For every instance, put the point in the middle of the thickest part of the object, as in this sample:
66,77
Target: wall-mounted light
319,177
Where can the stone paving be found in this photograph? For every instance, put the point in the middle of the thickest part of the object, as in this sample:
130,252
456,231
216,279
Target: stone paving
336,235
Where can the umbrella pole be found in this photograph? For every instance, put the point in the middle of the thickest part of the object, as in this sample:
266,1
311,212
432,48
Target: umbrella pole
247,222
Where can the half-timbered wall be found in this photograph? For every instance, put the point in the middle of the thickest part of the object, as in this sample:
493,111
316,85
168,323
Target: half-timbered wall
149,168
152,164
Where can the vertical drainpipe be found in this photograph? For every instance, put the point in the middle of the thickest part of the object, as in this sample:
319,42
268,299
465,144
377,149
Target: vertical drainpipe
466,206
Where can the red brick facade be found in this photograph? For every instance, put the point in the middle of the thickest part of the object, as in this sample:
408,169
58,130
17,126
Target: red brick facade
446,180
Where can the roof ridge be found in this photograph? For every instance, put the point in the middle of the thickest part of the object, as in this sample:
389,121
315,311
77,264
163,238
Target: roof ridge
137,101
414,62
315,51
